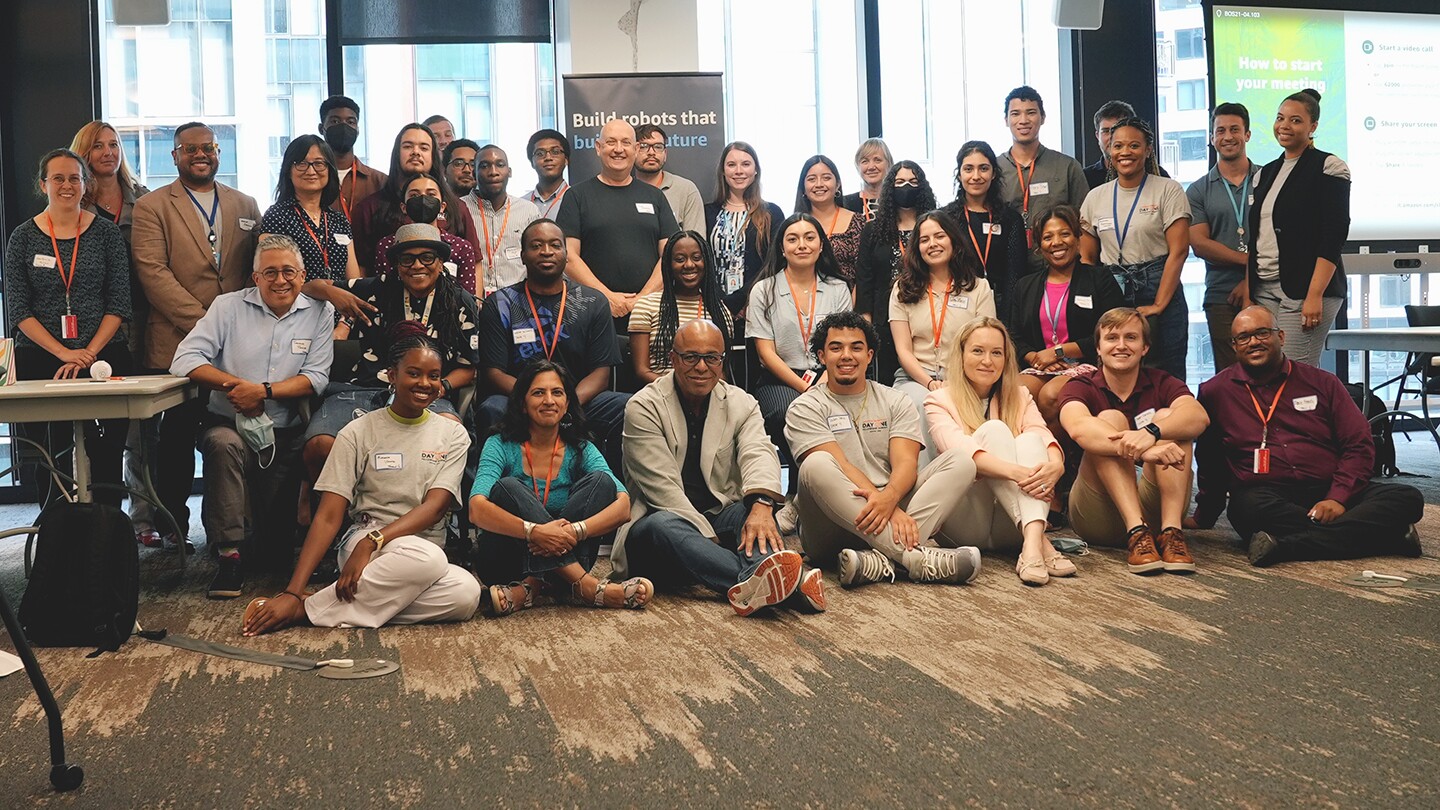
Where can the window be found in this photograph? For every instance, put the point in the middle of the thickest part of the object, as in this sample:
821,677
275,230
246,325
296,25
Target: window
1394,291
1191,94
1192,143
1190,43
1172,5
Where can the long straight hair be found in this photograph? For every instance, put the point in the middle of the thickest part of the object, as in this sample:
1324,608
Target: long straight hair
81,144
758,214
802,200
1006,393
826,267
392,194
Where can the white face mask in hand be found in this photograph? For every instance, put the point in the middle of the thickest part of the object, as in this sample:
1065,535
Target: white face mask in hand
258,433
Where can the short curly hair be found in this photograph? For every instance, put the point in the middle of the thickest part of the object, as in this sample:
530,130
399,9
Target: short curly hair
849,319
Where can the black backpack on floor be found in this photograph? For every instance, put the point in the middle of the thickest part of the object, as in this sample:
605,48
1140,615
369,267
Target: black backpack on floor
84,588
1382,432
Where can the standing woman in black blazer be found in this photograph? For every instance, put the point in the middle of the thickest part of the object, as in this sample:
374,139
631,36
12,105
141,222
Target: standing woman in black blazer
1298,223
741,226
995,228
905,194
1053,314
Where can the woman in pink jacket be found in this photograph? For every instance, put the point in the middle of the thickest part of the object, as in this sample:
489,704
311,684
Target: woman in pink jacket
987,412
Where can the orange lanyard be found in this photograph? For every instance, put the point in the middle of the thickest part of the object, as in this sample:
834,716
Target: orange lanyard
554,202
491,248
800,317
74,251
989,234
1025,185
549,475
865,207
938,326
346,203
324,251
1265,417
830,231
559,319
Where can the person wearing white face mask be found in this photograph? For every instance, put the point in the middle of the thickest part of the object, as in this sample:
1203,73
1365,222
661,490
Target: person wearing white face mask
260,352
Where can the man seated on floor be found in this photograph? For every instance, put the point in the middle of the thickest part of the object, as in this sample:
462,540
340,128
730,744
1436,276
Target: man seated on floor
1294,454
260,352
549,316
1124,415
861,497
705,480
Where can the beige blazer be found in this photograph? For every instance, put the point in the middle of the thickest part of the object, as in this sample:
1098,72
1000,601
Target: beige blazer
172,259
736,455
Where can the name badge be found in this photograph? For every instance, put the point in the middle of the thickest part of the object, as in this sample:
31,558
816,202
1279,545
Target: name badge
247,224
47,262
69,327
526,335
809,377
1036,189
839,422
1261,463
299,346
512,253
645,208
389,461
474,342
1144,418
1306,403
1084,302
990,227
1105,224
342,238
960,302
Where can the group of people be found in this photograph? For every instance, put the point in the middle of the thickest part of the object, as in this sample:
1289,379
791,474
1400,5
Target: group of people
936,379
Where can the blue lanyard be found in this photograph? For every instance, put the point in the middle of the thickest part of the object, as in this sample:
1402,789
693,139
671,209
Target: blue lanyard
1115,215
209,220
1055,313
1240,205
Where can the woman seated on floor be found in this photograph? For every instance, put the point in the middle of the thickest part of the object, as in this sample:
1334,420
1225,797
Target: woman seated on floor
985,411
545,501
397,470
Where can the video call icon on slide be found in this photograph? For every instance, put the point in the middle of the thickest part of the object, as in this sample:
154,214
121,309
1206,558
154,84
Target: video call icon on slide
1367,46
1369,122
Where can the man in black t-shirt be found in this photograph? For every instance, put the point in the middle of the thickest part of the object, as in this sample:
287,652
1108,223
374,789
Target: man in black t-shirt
583,341
615,227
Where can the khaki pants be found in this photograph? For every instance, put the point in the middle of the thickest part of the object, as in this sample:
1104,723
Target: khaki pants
828,506
1094,516
409,581
993,511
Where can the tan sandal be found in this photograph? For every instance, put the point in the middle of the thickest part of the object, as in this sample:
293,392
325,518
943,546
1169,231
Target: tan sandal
1032,572
502,605
1058,565
638,591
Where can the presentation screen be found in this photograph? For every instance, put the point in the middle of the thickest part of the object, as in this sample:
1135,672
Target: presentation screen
1379,74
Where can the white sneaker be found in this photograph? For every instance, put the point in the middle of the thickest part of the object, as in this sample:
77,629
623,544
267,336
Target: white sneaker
864,567
959,566
787,519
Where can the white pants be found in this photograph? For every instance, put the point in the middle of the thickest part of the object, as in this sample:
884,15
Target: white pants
407,582
917,393
978,522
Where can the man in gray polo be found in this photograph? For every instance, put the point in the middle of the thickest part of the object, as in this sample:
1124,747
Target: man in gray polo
1219,210
1032,178
501,217
260,352
684,197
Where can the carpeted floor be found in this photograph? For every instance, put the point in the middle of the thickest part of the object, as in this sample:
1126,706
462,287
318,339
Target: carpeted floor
1240,687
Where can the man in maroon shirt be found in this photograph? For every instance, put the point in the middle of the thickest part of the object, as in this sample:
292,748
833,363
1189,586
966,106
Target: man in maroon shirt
1123,415
1292,451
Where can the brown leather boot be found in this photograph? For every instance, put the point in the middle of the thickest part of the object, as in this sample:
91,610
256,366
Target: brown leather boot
1144,559
1174,553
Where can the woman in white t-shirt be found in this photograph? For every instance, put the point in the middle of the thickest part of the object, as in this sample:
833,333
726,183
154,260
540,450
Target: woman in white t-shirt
397,472
691,292
1138,225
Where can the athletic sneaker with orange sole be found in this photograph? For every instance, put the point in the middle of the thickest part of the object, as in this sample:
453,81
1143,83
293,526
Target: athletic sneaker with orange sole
772,582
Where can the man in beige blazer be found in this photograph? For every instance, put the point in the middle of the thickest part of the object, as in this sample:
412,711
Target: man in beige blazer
191,240
704,481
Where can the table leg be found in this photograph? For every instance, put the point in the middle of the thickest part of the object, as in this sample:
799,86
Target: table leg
82,464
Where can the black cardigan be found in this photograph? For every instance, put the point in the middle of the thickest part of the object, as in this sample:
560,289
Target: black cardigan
1311,218
1023,317
754,259
873,268
1009,255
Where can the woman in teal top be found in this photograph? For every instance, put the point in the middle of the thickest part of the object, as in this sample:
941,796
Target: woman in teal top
545,500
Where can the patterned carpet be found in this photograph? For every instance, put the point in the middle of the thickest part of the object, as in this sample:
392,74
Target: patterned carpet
1240,687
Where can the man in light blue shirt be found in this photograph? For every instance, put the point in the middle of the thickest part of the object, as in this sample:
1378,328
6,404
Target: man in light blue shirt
260,352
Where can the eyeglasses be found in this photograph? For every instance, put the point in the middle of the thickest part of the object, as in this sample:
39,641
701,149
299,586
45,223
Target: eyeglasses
410,259
913,182
66,179
461,163
554,151
1262,334
693,358
287,273
307,166
651,147
192,148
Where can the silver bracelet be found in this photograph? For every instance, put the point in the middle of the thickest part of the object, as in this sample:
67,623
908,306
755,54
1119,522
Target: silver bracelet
581,530
529,527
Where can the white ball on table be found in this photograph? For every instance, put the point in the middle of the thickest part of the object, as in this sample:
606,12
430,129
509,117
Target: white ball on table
100,370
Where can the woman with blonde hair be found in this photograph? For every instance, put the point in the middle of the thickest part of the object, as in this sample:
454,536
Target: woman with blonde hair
984,410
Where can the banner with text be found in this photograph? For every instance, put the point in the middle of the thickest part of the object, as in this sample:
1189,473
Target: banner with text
689,107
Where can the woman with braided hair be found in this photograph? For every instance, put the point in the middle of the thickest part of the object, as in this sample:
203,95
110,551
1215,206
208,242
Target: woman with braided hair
691,292
1138,225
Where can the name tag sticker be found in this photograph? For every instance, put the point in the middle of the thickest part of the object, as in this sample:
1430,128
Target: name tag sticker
839,422
1306,403
299,346
1144,418
342,238
645,208
1037,189
512,253
523,335
474,341
960,302
1084,302
990,227
247,224
389,461
47,262
1105,224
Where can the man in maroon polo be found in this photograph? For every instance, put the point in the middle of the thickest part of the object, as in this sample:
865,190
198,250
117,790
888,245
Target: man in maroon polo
1123,415
1293,453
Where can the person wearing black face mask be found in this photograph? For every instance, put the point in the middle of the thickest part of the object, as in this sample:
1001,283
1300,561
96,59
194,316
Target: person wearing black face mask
340,124
424,204
904,195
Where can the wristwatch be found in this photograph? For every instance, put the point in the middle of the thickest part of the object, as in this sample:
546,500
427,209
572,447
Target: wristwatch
761,498
269,393
378,537
1060,352
1154,430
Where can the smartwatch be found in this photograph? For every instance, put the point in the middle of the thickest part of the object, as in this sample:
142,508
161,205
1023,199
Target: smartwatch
269,392
1153,429
449,389
1060,352
751,500
378,537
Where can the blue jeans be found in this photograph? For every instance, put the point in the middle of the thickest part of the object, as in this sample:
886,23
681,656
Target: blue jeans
500,559
1169,330
666,548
